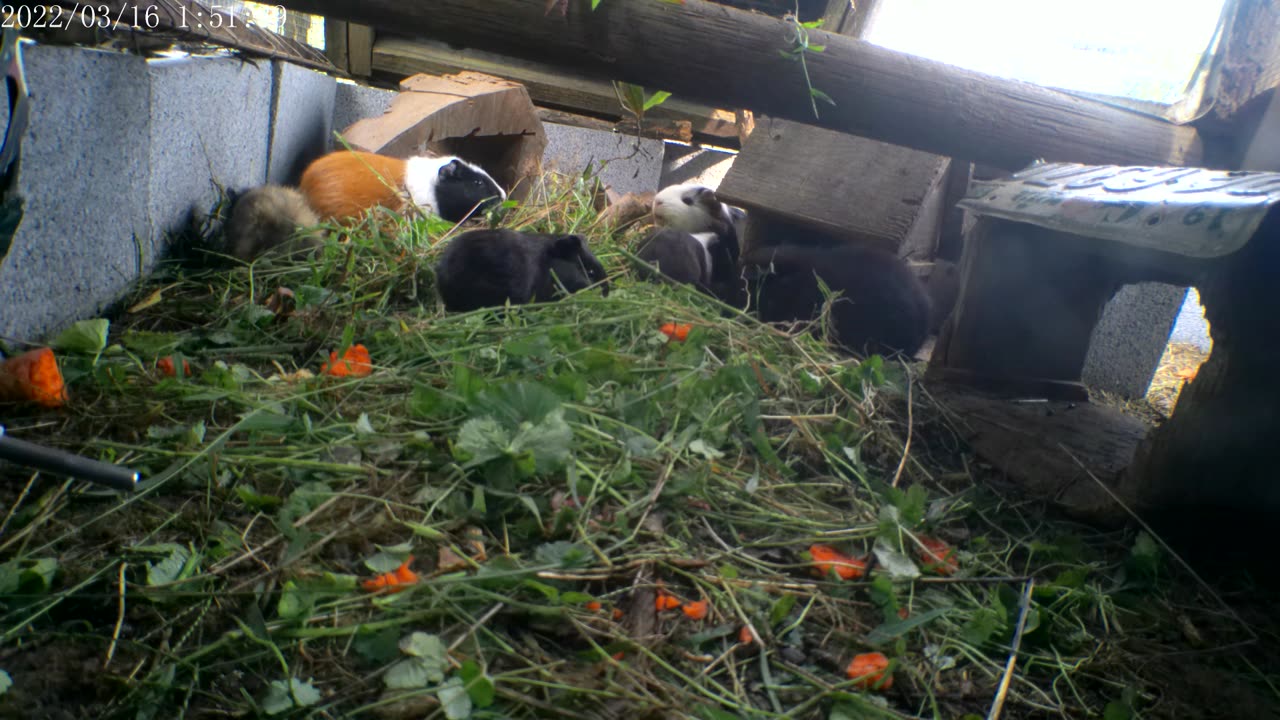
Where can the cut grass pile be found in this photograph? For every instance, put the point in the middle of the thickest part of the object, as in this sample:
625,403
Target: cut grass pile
537,483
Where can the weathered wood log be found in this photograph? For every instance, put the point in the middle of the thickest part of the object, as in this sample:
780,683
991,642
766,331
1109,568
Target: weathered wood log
729,58
484,119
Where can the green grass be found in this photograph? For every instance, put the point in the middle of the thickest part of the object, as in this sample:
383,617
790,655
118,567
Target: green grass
590,458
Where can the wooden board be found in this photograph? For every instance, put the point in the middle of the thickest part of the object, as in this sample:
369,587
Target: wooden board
1251,56
1036,445
724,57
547,85
840,184
459,114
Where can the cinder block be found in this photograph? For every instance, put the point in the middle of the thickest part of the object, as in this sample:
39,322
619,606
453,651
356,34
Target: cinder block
209,124
688,164
85,181
354,102
625,168
1131,337
301,120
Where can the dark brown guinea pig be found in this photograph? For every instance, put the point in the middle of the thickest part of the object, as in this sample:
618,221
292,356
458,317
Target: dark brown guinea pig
488,268
882,307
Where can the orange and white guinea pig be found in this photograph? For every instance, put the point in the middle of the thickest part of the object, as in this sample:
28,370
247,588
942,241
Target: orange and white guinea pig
344,184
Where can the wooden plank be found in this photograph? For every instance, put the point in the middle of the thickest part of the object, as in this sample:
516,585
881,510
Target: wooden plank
189,20
335,44
1025,440
846,186
548,85
663,130
360,40
1251,56
721,56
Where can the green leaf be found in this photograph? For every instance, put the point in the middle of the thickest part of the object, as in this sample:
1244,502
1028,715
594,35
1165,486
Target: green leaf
781,609
170,569
425,646
381,646
478,683
149,344
455,700
656,99
899,566
255,501
1117,710
87,336
815,92
897,628
280,700
563,554
410,674
983,626
812,24
6,682
595,4
547,591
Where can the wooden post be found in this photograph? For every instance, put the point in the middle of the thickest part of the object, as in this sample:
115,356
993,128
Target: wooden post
349,47
725,57
1217,451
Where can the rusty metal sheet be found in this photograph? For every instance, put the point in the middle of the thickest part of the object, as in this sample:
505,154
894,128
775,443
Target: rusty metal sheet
1188,211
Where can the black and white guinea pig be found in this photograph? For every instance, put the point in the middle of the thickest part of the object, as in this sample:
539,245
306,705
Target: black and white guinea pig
344,184
882,307
695,209
680,256
488,268
270,218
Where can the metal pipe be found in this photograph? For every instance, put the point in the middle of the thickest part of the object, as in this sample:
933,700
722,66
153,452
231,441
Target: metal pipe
65,463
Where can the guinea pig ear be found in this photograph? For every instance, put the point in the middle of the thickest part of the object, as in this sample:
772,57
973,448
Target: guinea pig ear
451,169
574,247
568,246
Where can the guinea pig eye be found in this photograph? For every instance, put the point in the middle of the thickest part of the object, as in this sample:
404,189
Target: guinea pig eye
688,200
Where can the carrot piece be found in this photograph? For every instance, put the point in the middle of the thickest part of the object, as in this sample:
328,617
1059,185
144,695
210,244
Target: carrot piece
676,331
665,601
594,606
355,362
826,558
868,669
695,610
395,581
938,556
168,368
745,637
33,376
617,614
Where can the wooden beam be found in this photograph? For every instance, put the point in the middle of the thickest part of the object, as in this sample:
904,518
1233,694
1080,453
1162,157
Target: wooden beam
548,85
725,57
661,129
1251,59
802,175
186,21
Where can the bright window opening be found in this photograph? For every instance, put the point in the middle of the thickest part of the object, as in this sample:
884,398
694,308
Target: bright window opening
1145,50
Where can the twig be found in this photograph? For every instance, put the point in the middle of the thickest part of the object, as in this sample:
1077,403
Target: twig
906,447
1012,662
115,634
